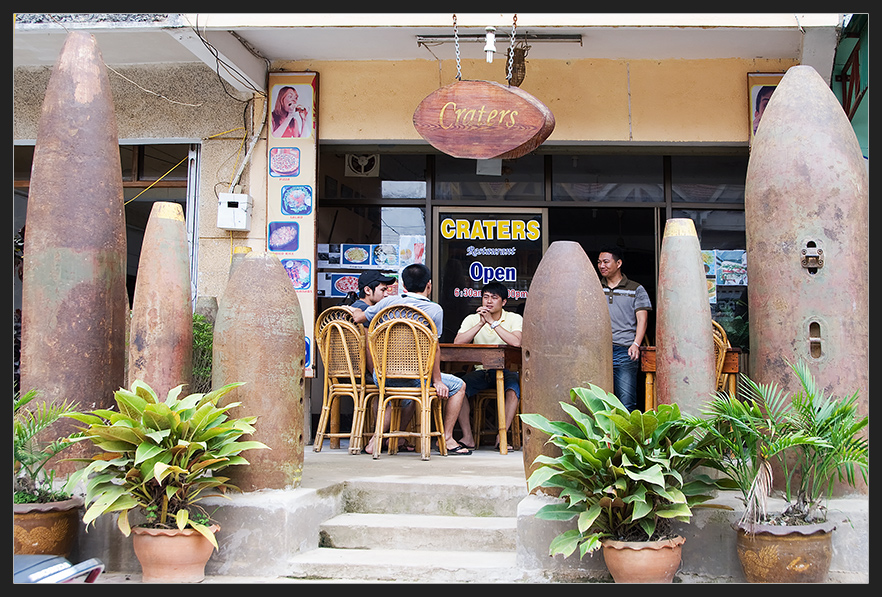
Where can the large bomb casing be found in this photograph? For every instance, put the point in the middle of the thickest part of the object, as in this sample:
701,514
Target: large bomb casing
566,341
161,329
807,225
259,339
74,299
685,372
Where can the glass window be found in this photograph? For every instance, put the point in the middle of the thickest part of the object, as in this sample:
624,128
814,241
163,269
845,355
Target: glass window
372,176
522,179
708,179
369,225
607,178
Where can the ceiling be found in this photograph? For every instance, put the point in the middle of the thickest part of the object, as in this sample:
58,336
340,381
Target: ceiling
252,42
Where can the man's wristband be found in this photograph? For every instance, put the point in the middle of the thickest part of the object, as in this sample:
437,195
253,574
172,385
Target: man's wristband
637,344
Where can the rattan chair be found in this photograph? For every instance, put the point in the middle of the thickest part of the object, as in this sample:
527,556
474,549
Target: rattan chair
342,347
721,343
403,342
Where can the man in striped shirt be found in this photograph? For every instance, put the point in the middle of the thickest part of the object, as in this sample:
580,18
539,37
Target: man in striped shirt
629,308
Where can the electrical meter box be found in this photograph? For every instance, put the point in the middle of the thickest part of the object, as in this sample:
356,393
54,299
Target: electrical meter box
234,211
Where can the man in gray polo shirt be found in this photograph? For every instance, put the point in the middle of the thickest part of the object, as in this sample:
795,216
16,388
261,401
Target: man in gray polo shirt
417,282
629,308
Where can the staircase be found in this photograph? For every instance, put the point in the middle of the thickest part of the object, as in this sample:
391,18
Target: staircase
426,529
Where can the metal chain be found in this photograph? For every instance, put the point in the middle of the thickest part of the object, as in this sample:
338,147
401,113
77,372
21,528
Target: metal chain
514,27
456,44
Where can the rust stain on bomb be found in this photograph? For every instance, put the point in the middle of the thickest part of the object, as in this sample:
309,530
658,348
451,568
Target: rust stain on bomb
74,299
259,339
566,340
806,167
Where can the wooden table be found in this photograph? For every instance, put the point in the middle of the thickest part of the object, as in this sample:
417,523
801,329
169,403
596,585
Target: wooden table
731,366
490,356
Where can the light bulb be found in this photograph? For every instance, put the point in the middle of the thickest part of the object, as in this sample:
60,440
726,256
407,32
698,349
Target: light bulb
490,47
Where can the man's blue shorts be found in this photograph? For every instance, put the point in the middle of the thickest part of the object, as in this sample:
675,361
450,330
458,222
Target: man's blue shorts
453,383
485,379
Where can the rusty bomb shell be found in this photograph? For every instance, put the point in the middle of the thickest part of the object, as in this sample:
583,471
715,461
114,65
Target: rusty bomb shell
685,371
74,298
161,336
566,341
259,339
807,225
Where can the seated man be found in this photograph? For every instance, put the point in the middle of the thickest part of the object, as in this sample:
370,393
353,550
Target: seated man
416,280
490,324
372,287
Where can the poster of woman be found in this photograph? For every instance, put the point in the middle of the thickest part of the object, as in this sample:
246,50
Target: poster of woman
292,114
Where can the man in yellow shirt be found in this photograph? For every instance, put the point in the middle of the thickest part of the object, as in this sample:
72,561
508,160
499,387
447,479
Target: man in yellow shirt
490,324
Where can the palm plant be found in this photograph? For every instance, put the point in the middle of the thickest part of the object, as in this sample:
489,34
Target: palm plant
818,465
32,481
741,438
624,475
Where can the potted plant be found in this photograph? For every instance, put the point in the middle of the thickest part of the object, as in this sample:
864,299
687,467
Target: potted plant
815,439
45,518
624,476
161,458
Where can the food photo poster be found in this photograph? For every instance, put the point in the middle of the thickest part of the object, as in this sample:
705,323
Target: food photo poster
291,183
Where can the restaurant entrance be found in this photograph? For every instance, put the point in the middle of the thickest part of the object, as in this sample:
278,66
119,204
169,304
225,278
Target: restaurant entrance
632,230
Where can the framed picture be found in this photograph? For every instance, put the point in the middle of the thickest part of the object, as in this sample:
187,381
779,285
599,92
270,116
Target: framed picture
759,89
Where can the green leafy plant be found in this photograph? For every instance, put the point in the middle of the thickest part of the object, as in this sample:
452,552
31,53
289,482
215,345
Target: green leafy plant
626,476
33,483
203,340
816,439
161,457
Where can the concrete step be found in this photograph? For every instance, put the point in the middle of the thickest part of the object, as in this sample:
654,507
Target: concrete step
435,496
356,530
407,565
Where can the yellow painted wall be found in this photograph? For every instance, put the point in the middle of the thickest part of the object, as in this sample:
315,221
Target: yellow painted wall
639,101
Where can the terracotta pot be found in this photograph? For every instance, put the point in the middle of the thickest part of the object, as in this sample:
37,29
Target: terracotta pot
172,555
643,561
785,554
46,529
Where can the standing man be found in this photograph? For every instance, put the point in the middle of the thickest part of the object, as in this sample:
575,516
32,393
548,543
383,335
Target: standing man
417,282
490,324
629,308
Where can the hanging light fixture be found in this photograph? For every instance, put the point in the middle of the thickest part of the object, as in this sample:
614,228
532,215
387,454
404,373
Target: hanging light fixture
490,47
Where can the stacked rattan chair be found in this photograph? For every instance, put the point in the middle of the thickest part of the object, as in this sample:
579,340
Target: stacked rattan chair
342,347
403,343
721,343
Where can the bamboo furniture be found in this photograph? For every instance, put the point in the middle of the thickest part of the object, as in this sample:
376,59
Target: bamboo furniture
403,343
342,348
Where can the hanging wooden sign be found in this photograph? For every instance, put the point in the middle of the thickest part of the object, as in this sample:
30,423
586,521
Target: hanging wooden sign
483,120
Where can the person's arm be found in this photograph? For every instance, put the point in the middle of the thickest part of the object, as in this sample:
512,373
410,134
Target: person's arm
466,337
357,314
642,319
509,337
440,387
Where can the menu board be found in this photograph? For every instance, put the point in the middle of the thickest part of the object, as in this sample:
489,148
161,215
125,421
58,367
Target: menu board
388,258
291,184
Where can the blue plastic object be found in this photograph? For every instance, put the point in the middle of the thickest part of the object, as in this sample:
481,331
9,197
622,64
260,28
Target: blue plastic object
53,569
